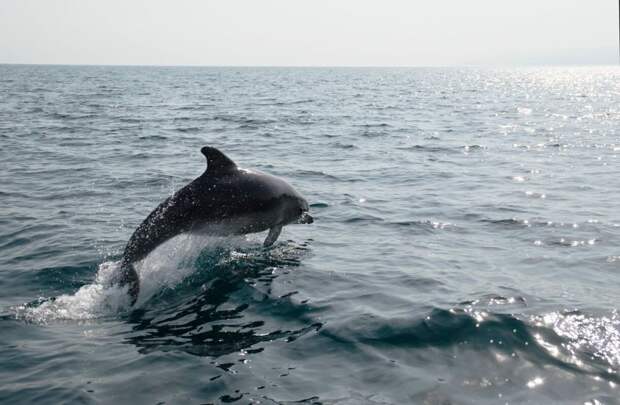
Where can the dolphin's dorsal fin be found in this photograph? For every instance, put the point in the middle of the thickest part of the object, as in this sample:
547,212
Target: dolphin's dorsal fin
217,162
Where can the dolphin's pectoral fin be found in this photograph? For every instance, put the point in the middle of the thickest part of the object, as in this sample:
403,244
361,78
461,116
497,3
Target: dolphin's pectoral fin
273,235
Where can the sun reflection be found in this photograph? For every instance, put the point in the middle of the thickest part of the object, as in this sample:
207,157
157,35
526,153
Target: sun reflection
552,349
535,382
594,337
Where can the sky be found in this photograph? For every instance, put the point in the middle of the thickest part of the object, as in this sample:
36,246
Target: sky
309,32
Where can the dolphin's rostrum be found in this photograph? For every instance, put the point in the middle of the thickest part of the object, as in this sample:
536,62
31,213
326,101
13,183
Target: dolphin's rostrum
224,200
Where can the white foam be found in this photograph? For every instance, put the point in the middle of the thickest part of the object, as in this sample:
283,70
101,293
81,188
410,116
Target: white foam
90,301
165,267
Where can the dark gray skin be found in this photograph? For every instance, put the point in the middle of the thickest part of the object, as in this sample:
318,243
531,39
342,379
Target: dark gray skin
224,200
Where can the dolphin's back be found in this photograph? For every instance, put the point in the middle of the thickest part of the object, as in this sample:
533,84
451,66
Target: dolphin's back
207,200
171,217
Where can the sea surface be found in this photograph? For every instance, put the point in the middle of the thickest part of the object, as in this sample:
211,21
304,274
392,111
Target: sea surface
465,249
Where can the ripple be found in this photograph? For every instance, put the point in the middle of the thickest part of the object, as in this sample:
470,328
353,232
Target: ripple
430,148
316,173
189,129
571,242
533,194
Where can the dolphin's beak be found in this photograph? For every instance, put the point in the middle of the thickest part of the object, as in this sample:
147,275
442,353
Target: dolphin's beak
305,218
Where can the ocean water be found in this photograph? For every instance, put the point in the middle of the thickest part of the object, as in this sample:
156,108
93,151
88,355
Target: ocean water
465,250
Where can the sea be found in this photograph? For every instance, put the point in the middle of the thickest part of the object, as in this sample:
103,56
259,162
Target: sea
465,248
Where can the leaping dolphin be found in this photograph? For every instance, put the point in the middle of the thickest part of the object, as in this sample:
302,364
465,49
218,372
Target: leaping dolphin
224,200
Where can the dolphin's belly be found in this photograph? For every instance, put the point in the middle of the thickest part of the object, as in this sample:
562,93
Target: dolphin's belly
233,226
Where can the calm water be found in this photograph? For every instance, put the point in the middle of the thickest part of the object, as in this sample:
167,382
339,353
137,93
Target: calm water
466,248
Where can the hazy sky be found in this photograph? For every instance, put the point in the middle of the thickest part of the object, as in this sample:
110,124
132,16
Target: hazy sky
309,32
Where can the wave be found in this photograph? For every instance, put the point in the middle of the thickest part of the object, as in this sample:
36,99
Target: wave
317,173
573,341
514,222
194,107
153,138
243,120
375,125
189,129
67,116
443,149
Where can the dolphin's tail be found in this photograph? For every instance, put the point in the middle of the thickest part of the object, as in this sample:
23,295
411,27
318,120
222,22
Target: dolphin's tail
129,276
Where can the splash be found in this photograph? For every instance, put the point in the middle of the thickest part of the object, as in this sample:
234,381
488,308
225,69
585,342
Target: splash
175,260
91,301
164,268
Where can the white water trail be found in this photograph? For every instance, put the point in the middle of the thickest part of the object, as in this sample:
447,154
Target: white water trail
90,301
165,267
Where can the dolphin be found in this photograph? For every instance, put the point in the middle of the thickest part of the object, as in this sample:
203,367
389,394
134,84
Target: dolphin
224,200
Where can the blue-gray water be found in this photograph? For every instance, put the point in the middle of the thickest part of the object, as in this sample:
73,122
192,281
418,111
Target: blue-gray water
466,248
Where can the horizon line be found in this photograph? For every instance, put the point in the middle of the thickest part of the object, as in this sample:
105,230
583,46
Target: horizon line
482,65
